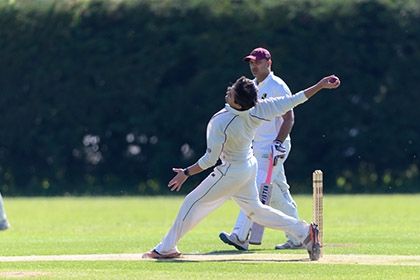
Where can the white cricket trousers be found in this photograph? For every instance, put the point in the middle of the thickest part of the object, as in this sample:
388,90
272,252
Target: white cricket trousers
236,181
281,199
2,212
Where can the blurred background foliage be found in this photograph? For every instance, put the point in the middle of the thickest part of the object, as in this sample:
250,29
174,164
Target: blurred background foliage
105,97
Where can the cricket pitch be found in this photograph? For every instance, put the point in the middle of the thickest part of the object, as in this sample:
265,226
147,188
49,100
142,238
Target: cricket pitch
219,256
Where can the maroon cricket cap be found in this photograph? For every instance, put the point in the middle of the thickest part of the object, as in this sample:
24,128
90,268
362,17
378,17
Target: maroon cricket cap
258,54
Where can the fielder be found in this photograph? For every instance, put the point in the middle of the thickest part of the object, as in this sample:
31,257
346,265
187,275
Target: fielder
4,224
270,136
229,138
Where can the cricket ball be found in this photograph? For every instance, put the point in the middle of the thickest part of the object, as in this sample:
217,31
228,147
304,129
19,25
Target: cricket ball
332,80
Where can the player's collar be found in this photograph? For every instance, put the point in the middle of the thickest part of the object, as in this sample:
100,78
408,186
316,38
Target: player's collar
269,77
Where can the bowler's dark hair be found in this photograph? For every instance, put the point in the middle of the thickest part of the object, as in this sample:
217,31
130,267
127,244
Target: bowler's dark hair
246,93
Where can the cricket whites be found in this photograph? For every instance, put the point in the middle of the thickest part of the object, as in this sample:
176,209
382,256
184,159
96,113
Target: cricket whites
257,231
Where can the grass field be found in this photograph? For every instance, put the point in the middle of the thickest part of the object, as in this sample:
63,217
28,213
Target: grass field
366,237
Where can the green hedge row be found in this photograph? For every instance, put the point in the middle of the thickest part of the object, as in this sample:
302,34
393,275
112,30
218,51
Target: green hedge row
105,97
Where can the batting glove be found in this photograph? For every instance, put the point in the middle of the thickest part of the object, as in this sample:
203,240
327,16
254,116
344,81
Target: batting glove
278,150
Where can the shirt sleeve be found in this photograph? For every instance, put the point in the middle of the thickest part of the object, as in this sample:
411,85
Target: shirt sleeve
270,108
215,141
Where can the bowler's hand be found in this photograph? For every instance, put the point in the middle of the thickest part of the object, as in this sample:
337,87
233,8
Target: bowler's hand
177,181
330,82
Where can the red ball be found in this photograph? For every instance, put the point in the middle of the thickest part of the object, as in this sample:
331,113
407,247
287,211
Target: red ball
332,80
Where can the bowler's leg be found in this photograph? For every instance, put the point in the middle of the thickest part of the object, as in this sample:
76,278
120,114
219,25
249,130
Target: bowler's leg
215,190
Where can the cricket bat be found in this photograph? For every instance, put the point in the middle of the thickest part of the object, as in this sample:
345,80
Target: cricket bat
257,231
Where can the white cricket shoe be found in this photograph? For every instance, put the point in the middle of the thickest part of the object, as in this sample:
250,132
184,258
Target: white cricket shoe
233,240
312,243
288,245
4,225
153,254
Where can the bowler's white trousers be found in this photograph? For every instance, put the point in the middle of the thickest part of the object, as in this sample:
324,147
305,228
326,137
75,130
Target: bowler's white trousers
236,181
281,198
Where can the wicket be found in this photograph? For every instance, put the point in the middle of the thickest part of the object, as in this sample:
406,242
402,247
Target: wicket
318,202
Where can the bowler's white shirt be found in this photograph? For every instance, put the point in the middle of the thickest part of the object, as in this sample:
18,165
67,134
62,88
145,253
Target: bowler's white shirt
230,132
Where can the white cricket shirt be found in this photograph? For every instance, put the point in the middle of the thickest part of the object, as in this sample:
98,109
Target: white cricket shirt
230,132
272,86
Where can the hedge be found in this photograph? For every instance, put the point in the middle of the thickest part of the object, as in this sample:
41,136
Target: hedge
105,97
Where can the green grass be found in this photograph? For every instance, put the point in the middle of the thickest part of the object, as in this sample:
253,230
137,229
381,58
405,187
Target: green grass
353,225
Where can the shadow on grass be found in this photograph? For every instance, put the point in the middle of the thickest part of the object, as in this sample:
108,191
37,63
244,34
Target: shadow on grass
239,256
